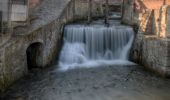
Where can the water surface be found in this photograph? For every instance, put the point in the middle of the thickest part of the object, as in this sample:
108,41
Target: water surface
102,83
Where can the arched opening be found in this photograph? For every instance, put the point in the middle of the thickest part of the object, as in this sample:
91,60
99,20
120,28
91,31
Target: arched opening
34,55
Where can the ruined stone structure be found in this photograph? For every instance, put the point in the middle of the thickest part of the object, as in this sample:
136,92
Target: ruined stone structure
36,37
36,44
34,3
5,8
151,46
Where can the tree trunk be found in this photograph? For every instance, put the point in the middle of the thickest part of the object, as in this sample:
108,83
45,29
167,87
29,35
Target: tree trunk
107,12
89,11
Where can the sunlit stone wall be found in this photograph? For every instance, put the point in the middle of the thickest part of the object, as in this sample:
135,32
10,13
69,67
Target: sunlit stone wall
152,44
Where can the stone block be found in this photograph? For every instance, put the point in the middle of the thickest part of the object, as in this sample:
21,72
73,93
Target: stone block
19,13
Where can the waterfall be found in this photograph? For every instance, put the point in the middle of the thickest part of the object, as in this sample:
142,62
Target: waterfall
95,45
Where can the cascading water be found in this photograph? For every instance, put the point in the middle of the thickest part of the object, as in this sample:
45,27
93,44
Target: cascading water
95,45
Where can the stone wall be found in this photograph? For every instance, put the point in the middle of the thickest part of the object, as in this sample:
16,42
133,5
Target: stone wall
155,55
13,55
4,8
132,11
19,12
151,44
156,22
81,9
34,3
127,12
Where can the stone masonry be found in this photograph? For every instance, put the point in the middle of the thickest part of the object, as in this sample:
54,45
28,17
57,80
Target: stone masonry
151,45
40,39
38,43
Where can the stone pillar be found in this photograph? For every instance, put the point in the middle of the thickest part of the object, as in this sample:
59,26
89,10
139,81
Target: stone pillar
168,22
89,11
107,11
73,8
0,22
33,3
164,2
165,22
5,20
122,9
19,11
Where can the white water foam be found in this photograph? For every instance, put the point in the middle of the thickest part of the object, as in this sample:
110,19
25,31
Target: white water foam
95,45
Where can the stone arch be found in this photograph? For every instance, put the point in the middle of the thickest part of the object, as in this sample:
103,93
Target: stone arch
35,55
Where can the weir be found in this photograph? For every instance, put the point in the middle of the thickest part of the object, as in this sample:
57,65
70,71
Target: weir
31,47
95,45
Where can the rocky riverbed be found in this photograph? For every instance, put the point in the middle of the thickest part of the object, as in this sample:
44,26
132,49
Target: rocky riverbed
101,83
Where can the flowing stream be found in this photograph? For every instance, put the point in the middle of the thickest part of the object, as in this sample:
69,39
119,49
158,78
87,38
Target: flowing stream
95,45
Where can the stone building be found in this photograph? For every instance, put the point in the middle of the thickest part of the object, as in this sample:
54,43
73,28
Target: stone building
5,9
14,13
5,20
151,45
34,3
37,43
19,10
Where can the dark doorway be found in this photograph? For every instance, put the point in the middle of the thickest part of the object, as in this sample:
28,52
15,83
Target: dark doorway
35,55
